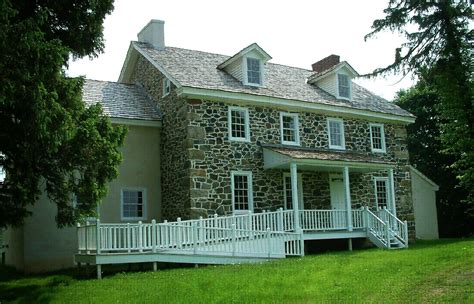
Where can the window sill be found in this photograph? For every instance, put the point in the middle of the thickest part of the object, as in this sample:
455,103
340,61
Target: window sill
241,140
290,143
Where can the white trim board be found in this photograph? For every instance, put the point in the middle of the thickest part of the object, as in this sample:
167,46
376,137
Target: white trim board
289,104
135,122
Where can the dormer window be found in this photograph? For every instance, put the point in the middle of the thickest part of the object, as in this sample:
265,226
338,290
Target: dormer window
166,87
344,86
254,75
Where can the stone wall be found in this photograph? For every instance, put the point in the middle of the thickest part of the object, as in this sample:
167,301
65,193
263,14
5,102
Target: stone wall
198,157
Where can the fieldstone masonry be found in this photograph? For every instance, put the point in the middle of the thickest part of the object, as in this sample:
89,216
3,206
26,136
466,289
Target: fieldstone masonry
198,157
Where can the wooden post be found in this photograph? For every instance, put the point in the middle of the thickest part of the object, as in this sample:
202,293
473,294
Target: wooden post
129,238
365,216
280,220
97,238
153,236
99,271
350,244
195,237
202,234
86,238
393,206
155,266
140,249
387,234
406,233
233,240
294,195
301,232
250,226
269,242
79,238
178,233
348,198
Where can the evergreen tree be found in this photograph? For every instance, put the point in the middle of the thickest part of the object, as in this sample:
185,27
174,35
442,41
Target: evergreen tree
439,38
49,141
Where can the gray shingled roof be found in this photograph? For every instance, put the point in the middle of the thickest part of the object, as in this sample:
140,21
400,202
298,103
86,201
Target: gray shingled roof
120,100
199,70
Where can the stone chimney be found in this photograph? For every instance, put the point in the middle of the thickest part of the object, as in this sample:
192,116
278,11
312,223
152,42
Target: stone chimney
326,63
153,33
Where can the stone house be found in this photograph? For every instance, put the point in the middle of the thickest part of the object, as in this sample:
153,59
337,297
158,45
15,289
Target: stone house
227,135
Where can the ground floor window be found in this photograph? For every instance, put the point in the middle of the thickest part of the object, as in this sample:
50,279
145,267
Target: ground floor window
381,192
287,193
242,196
133,204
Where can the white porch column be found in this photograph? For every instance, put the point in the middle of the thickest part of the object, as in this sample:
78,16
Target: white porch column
392,192
348,198
294,195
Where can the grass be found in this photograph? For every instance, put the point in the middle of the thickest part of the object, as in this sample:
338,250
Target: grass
428,272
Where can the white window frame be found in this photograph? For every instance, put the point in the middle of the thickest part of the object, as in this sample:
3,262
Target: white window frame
144,200
387,192
343,140
248,174
245,70
350,86
300,191
247,124
166,87
297,129
382,138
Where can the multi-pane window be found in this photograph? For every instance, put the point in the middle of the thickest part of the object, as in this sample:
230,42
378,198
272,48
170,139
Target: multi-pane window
288,193
381,192
242,198
336,134
289,129
133,204
377,137
344,85
166,87
253,71
239,124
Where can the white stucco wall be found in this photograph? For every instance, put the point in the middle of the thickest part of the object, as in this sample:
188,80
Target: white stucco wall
424,204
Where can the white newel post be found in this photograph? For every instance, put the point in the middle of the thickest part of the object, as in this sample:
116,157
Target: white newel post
153,236
392,192
97,239
269,243
233,240
280,220
86,238
195,237
129,238
294,195
140,249
249,223
348,198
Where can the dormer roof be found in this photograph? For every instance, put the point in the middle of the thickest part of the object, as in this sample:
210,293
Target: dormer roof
253,48
332,70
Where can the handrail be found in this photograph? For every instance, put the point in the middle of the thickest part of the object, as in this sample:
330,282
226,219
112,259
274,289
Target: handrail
398,228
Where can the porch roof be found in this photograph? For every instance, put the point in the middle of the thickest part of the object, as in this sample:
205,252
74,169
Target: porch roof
280,157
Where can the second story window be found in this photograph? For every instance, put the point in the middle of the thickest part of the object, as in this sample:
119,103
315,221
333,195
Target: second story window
377,138
344,86
336,134
254,74
238,120
166,87
289,129
133,204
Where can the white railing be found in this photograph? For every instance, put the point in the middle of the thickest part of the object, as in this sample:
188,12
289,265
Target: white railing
315,220
377,230
145,237
398,229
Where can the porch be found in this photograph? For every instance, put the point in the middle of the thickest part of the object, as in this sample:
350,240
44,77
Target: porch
248,238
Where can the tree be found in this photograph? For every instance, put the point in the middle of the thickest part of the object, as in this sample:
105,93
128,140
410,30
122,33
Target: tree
455,214
49,140
439,38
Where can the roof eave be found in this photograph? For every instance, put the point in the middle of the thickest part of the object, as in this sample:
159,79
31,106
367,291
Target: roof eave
193,92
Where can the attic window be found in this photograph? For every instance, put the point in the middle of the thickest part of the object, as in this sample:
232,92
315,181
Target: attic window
344,86
254,75
166,86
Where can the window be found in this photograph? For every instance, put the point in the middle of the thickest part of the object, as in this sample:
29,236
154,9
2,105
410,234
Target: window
381,192
289,129
377,138
166,87
133,204
253,71
287,191
336,134
242,196
344,86
238,124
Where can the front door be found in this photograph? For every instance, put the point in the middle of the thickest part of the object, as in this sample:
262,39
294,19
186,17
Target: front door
338,201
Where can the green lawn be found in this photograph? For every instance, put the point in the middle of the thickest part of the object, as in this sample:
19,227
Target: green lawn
441,271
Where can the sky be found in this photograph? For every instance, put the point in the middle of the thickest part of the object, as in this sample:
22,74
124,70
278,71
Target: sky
295,33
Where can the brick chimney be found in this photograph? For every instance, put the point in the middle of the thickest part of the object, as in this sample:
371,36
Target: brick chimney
153,33
326,63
